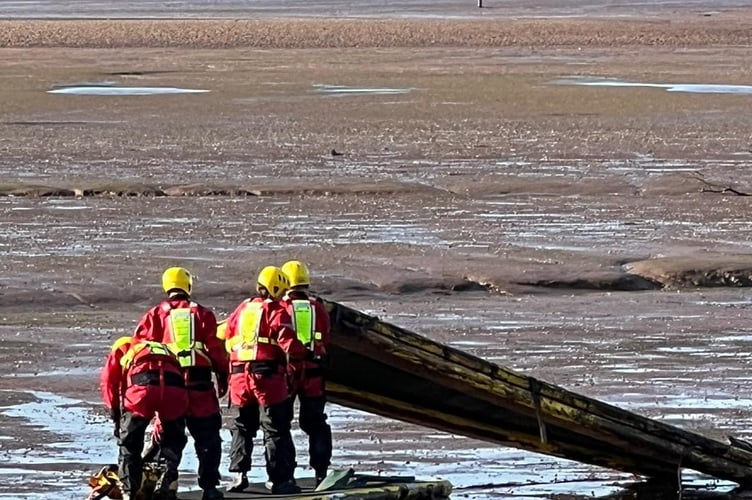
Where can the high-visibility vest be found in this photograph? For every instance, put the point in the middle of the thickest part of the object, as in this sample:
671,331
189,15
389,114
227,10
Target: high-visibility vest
181,333
244,345
304,322
154,348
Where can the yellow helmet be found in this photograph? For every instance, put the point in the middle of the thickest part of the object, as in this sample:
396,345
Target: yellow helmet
297,273
177,278
274,280
123,343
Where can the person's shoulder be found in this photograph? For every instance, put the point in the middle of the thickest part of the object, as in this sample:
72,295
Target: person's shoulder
154,310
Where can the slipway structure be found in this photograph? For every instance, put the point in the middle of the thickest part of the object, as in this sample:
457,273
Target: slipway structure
386,370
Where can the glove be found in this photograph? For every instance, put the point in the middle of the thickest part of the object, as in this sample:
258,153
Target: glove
222,384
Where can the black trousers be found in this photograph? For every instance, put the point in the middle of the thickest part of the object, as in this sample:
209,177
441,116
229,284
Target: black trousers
208,444
312,420
275,422
131,442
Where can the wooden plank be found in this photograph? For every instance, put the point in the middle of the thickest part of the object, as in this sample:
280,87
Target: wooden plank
371,489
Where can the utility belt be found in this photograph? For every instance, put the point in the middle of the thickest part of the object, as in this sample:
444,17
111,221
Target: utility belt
152,377
264,368
198,378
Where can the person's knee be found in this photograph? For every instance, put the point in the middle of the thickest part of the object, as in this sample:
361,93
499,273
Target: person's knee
313,423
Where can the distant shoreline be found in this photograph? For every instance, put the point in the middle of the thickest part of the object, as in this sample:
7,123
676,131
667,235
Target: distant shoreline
690,31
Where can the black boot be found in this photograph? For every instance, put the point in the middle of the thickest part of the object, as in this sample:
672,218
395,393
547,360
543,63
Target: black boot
286,488
212,494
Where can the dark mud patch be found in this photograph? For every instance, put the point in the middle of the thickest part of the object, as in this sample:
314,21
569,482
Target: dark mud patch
34,191
127,74
346,188
125,189
572,184
660,273
435,286
682,272
516,185
605,282
120,190
674,184
204,190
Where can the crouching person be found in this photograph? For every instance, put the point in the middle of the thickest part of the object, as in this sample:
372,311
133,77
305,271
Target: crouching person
139,380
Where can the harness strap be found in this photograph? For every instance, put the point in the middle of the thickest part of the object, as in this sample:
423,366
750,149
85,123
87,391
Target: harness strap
152,377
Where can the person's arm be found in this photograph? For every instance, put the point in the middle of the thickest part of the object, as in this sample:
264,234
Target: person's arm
214,346
149,325
110,381
323,324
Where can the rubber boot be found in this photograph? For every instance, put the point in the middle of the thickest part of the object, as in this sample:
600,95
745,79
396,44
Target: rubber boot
212,494
240,483
165,489
287,488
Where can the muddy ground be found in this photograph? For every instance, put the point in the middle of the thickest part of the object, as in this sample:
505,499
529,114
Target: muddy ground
445,169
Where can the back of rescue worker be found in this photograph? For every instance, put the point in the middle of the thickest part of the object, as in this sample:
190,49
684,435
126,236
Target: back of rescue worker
260,339
189,330
139,380
311,324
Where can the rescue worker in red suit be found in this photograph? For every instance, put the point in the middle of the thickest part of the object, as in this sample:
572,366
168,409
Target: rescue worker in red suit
189,330
139,380
260,339
311,322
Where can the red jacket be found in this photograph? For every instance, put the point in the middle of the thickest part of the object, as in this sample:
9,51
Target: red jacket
150,383
274,324
155,326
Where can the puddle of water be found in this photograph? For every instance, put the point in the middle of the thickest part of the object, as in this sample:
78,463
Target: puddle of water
79,436
107,90
347,90
696,88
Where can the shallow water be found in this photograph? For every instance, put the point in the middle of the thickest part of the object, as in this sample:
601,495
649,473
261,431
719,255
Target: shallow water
478,471
695,88
107,90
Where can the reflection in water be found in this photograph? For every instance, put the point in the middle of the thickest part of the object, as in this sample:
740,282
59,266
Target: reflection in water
696,88
346,90
111,90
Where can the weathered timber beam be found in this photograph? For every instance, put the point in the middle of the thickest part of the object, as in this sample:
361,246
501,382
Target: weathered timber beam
569,446
620,429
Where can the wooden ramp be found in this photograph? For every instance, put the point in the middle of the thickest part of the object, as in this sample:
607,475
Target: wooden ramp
383,369
359,488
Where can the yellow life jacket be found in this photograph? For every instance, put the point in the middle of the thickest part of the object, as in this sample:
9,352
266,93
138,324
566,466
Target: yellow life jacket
243,346
304,322
181,323
153,347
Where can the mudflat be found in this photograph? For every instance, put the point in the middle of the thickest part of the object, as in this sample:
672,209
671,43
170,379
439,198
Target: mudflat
564,194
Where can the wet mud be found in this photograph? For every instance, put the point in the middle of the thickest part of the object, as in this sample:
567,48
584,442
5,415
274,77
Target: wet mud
435,175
